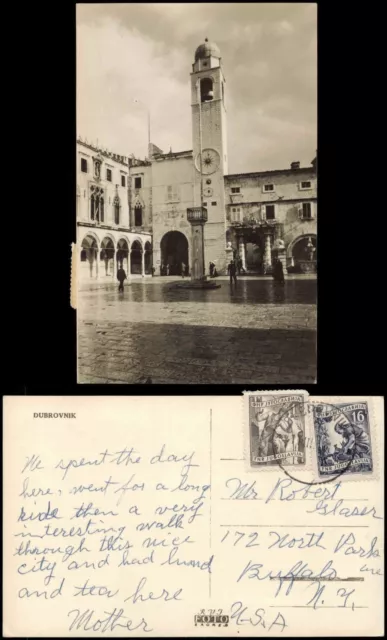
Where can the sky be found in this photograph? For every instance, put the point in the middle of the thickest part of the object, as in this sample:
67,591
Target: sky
144,53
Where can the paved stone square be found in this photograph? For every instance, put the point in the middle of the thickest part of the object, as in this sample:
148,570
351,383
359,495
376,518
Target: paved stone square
256,333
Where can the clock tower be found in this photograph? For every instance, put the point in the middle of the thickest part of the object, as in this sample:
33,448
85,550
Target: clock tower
209,139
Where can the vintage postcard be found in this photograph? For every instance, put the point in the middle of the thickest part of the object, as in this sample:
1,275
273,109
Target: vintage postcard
137,516
195,257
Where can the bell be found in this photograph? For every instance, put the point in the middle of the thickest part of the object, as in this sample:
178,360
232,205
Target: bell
210,95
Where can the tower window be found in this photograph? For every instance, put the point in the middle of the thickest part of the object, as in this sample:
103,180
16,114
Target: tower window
206,90
137,183
109,175
122,181
84,165
235,189
214,204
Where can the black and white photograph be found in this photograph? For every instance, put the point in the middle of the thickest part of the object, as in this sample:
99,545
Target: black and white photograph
196,193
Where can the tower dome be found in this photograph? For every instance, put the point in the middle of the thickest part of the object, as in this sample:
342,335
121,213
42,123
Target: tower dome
206,50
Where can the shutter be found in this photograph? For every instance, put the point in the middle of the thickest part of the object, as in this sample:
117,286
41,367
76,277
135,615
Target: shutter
169,193
312,210
300,211
274,212
263,212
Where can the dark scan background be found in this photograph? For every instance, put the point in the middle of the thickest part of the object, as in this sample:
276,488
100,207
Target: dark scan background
39,336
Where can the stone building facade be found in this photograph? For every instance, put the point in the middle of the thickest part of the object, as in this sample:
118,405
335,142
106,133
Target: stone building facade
107,234
253,217
273,214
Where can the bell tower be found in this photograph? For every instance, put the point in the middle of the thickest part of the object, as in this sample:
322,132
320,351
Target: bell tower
209,139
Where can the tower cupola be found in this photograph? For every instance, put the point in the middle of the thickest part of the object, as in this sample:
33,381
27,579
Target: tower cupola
207,56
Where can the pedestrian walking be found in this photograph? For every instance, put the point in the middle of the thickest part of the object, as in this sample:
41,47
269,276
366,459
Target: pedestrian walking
232,272
212,269
278,272
121,277
182,270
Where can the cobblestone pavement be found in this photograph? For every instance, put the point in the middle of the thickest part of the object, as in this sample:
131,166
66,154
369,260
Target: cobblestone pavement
256,333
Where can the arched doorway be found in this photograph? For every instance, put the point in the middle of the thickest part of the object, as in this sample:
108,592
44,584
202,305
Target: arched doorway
174,252
148,258
123,255
89,257
303,254
136,258
106,256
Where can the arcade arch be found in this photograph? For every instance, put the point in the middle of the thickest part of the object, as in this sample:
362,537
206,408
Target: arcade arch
136,257
106,255
89,257
174,252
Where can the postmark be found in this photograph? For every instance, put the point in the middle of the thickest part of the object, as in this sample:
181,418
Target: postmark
343,438
277,429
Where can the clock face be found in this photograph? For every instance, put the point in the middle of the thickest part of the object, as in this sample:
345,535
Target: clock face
210,161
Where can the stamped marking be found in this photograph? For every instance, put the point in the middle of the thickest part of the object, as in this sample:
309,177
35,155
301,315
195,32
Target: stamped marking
211,618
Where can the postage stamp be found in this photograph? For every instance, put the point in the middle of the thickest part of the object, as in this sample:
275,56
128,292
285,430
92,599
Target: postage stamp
277,433
343,438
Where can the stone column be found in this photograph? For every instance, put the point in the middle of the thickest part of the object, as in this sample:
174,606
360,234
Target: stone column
96,262
114,264
267,265
90,260
197,216
128,264
198,253
143,262
242,251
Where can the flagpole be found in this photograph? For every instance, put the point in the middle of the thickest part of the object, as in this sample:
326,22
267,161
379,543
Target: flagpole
148,118
149,134
199,97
